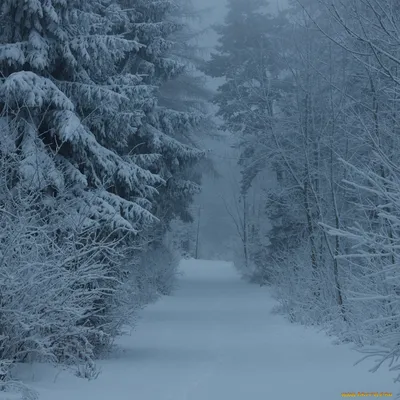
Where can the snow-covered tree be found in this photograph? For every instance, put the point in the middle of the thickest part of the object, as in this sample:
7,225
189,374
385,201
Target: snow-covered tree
171,125
95,167
62,92
248,61
53,270
65,101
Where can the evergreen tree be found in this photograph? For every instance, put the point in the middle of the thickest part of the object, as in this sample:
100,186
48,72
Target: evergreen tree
82,119
69,113
170,125
248,59
64,96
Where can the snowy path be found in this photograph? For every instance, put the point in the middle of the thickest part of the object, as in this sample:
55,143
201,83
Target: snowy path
215,339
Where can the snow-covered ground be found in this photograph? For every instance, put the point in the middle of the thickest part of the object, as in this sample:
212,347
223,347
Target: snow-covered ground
216,339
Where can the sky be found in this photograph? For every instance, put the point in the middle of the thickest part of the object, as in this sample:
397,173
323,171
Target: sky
213,13
216,10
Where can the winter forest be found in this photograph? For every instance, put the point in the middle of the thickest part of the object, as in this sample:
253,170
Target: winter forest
111,137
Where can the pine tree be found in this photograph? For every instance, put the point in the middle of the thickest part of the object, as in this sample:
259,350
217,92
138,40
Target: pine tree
68,112
64,96
85,122
248,59
169,126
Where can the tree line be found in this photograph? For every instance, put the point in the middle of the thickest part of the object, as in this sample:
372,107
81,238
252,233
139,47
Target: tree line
100,115
312,96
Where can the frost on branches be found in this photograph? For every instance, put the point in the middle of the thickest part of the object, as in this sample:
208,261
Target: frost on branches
171,125
93,170
70,99
312,97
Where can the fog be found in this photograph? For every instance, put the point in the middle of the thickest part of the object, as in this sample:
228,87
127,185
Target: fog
214,13
217,232
218,237
111,143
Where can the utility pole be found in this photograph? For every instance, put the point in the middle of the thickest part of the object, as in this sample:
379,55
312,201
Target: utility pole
198,234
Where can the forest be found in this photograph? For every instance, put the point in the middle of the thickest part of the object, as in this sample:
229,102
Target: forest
103,109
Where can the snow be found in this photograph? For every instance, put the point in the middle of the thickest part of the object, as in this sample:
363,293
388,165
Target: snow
217,339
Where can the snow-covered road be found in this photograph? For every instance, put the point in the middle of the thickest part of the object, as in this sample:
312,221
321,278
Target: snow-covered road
216,339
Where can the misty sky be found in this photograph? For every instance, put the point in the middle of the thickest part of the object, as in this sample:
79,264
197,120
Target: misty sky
216,13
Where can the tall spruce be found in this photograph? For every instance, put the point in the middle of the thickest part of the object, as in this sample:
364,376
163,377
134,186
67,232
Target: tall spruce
170,125
248,60
90,148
